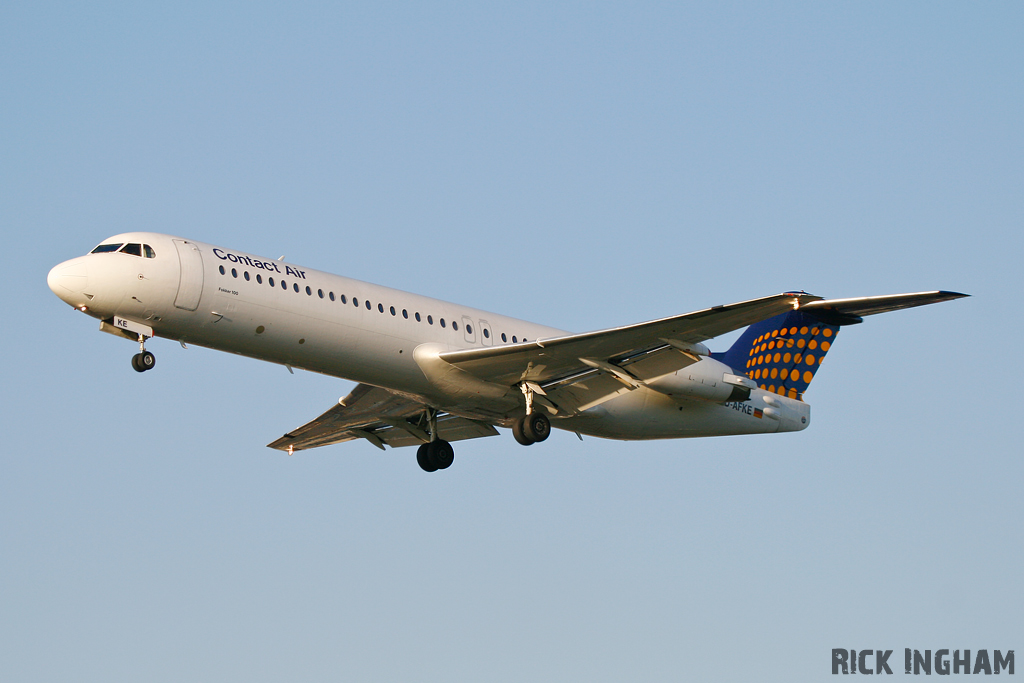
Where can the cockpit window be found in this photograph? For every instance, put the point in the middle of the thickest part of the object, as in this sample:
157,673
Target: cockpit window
105,248
148,252
133,249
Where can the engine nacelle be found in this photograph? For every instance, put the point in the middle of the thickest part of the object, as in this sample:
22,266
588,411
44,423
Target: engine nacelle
709,380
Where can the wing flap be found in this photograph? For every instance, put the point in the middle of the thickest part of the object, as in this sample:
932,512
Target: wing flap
449,428
585,392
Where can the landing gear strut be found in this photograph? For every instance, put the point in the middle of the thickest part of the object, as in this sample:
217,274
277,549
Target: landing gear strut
533,427
436,454
143,360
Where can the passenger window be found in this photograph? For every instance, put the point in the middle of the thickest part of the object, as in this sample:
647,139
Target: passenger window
246,275
295,286
430,320
343,299
259,279
148,251
355,302
270,281
405,314
380,307
368,306
106,248
331,294
234,273
503,337
514,339
455,325
309,292
133,249
221,269
320,293
418,316
393,311
442,322
487,333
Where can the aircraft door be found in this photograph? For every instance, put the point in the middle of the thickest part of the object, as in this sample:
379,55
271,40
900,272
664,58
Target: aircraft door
190,283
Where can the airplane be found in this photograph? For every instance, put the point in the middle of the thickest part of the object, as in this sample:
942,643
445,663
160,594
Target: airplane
431,372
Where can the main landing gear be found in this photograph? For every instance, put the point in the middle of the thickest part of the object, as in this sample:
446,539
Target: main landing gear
436,454
533,427
143,360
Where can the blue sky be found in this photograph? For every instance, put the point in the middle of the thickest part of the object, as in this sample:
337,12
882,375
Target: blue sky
581,165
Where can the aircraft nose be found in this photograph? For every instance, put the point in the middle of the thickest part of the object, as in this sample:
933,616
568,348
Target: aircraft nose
68,279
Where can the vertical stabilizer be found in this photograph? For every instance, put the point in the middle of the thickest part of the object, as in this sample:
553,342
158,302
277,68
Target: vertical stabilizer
783,353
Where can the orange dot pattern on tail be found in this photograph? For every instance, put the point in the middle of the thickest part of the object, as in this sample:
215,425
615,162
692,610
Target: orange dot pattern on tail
783,360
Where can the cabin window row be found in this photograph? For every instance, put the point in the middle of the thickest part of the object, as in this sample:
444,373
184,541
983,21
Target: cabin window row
355,302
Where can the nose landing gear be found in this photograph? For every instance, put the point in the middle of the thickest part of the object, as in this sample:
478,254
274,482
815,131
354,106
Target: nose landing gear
143,360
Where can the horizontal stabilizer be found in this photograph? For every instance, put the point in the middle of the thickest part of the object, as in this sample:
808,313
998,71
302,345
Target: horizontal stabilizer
782,354
850,311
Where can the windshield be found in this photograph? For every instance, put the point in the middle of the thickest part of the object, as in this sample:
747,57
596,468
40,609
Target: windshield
104,248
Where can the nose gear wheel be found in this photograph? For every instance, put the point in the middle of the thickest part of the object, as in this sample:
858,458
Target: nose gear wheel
143,361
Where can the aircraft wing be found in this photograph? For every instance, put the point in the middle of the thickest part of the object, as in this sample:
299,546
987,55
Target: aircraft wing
381,417
578,371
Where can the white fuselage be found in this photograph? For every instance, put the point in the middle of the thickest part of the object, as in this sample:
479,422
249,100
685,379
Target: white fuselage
275,311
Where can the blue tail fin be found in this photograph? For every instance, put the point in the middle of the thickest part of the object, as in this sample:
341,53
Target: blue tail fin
782,353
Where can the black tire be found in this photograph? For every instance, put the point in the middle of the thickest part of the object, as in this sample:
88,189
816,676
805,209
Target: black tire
423,458
442,455
519,434
136,365
147,361
537,427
